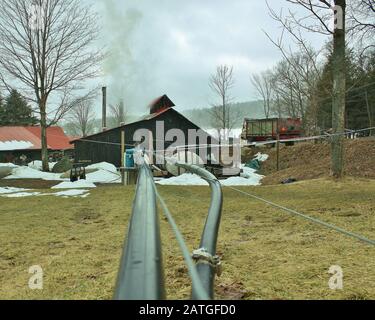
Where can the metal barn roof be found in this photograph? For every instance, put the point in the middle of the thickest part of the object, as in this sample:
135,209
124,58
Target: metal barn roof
10,138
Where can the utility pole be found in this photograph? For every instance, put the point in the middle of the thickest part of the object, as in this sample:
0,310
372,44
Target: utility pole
338,95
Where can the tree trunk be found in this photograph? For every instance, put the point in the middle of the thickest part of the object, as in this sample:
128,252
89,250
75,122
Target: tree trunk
369,112
338,100
43,125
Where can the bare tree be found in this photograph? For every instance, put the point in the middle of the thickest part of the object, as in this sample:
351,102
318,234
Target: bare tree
82,117
294,83
223,115
321,13
361,26
118,113
263,84
48,46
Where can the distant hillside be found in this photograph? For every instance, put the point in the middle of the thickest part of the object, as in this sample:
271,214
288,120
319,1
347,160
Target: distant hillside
202,118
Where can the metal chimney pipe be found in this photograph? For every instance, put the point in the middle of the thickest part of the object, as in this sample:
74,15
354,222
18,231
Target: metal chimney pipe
104,109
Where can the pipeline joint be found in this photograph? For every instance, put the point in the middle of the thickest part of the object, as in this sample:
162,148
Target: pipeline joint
202,256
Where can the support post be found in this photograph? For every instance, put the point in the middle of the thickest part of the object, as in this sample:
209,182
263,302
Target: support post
122,157
122,148
278,153
104,109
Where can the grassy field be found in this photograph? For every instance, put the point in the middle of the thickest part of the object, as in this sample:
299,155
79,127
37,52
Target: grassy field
266,253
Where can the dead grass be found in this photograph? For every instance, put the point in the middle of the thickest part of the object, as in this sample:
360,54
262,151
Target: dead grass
306,161
28,183
266,253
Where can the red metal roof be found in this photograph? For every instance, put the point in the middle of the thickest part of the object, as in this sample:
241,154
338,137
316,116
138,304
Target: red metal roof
56,138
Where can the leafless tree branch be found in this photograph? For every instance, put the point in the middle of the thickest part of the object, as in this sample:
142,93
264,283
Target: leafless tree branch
48,47
223,115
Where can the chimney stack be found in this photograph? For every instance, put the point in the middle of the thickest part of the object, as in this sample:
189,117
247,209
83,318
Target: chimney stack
104,110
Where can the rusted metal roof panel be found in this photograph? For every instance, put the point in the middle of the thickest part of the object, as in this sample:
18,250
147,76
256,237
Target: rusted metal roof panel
56,138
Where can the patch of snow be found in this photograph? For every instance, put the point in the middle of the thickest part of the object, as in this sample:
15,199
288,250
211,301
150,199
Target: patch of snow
103,176
103,166
22,194
8,165
30,173
261,157
249,177
186,179
37,165
248,172
189,179
240,181
15,145
74,185
85,195
106,173
72,193
8,190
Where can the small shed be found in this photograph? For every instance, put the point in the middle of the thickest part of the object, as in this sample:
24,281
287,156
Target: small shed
106,146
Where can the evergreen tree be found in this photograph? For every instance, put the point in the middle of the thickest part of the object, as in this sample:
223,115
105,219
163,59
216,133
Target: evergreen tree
2,111
16,111
360,77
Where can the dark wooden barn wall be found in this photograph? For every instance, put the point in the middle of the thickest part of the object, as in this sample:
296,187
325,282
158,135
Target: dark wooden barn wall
10,156
99,151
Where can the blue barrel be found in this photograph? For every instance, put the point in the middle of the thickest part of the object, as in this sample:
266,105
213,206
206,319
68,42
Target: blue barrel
129,158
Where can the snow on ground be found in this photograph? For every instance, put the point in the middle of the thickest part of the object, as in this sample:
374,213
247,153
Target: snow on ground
189,179
8,190
72,193
74,185
103,176
37,165
186,179
240,181
261,157
30,173
103,166
106,173
22,194
249,177
15,145
8,165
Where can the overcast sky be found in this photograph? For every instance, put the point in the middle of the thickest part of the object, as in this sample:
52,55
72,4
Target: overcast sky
172,47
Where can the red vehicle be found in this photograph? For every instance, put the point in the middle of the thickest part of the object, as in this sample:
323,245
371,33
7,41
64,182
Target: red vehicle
269,129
